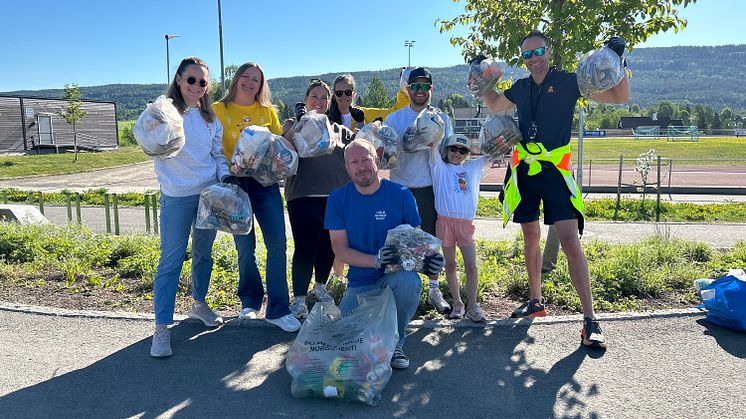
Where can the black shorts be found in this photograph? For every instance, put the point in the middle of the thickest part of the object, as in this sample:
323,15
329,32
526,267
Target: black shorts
549,187
425,198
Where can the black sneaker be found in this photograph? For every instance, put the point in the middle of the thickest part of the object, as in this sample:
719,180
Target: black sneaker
531,308
592,336
399,360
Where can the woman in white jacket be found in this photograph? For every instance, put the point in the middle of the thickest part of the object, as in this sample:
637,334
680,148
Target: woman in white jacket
199,164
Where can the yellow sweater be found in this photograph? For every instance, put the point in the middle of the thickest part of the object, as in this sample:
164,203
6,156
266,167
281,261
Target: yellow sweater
402,100
236,117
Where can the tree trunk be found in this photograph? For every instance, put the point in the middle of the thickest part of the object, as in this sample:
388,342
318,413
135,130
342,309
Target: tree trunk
75,142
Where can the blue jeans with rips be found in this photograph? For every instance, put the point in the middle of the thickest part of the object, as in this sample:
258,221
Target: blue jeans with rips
266,203
178,215
406,286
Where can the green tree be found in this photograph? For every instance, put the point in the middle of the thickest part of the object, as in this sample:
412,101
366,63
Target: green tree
685,118
376,95
665,108
454,100
73,112
283,112
497,26
635,109
726,117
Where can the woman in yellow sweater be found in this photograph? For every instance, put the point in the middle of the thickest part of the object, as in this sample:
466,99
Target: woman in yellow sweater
248,103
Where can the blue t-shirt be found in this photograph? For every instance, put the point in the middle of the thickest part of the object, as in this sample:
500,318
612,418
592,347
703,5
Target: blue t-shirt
367,219
555,106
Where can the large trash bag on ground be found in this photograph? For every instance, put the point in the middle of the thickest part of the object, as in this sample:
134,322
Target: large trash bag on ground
345,357
225,207
280,162
250,149
425,132
498,136
387,142
160,129
599,71
313,135
483,77
412,246
725,300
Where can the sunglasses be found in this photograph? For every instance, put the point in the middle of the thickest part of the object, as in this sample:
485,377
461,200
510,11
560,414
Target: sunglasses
316,81
457,149
416,87
192,80
538,52
339,93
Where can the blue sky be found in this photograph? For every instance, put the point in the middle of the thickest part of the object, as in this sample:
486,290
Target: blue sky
48,43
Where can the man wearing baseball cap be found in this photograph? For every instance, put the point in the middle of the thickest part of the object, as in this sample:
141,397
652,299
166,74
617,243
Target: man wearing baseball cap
413,171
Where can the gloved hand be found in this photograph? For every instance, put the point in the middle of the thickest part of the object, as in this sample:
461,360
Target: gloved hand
617,44
387,255
300,110
433,264
477,59
233,180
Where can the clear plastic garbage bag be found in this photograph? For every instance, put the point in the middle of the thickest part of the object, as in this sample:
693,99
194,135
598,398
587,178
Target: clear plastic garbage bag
280,162
427,130
599,71
225,207
313,135
483,77
160,129
387,142
252,146
345,357
412,246
498,136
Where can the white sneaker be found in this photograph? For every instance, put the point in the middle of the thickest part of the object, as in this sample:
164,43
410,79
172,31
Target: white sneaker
203,312
287,323
299,309
248,313
161,345
435,298
319,291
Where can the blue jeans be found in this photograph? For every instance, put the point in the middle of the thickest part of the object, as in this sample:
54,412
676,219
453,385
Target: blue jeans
177,221
406,286
266,203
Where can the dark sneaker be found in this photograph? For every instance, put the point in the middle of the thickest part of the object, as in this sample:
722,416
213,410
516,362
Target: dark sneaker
592,336
399,360
531,308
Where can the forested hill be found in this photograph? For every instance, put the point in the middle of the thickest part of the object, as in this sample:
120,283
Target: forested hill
714,76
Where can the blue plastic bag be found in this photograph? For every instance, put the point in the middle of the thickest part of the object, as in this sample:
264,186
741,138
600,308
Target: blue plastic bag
727,307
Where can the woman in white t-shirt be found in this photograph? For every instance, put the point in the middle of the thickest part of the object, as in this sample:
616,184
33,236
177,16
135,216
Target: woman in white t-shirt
456,186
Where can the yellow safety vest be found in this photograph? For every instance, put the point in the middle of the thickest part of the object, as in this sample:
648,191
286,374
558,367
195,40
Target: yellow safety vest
559,157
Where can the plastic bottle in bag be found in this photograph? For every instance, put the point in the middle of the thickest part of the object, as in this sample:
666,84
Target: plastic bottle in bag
412,246
252,146
483,77
313,135
498,136
599,71
159,130
280,162
387,142
426,130
224,207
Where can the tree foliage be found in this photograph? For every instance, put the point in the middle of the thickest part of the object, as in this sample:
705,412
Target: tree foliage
573,26
376,95
73,111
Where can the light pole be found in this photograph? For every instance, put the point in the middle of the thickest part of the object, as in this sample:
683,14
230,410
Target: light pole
168,63
409,45
222,66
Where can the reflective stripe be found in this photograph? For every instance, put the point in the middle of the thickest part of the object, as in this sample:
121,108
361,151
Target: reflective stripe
560,157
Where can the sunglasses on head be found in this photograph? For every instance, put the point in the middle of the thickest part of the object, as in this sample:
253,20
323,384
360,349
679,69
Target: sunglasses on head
538,52
416,87
339,93
316,81
457,149
192,80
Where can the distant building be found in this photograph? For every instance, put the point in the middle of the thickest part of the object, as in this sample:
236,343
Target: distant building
632,122
34,124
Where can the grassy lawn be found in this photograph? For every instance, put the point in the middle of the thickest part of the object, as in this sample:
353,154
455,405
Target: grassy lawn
708,150
61,164
125,124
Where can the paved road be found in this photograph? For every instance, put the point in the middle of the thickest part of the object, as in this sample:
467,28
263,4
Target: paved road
73,367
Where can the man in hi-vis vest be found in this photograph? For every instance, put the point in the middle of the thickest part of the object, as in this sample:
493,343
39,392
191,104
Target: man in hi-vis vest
540,171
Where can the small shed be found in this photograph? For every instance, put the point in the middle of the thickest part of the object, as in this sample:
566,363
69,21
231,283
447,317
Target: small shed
33,124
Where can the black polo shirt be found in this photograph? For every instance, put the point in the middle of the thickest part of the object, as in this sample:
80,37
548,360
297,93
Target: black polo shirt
555,103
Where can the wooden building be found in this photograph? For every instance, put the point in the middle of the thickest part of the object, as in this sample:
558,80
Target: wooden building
32,124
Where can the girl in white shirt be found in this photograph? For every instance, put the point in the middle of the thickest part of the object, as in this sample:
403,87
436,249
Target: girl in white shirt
456,186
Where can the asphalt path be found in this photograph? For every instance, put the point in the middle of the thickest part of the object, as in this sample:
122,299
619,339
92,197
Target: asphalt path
674,365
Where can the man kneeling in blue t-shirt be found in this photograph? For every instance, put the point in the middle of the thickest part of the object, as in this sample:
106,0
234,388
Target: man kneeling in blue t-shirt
358,216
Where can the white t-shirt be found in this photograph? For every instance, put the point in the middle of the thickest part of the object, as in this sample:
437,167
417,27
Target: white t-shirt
414,169
347,120
456,187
